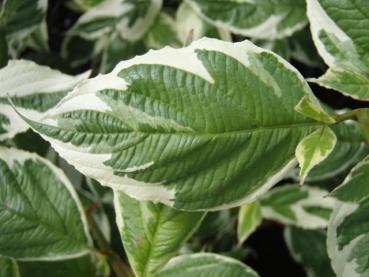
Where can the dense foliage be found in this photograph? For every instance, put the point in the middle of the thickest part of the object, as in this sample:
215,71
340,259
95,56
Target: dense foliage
162,138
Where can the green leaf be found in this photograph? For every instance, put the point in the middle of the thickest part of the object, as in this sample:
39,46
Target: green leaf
249,218
311,108
32,88
40,206
306,207
350,148
308,247
355,187
152,233
314,149
144,128
191,27
262,19
131,19
349,82
78,267
342,41
162,33
21,17
3,49
348,239
205,264
8,267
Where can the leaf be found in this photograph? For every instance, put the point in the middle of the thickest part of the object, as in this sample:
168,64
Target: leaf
355,187
144,128
8,267
308,247
348,239
350,148
162,33
191,27
205,264
314,149
152,233
349,82
262,19
21,17
131,19
249,218
77,267
33,88
40,206
341,40
311,108
306,207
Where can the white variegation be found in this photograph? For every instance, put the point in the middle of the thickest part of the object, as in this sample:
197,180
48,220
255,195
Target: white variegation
315,198
22,78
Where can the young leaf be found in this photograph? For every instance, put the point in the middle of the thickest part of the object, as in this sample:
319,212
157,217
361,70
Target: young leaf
308,247
152,233
306,207
205,264
249,218
314,148
131,19
262,19
350,148
32,88
311,108
40,206
8,267
144,128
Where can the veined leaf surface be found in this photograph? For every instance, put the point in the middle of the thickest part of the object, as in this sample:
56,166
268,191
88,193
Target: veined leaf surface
205,264
8,267
306,207
41,217
33,88
262,19
152,233
339,29
193,128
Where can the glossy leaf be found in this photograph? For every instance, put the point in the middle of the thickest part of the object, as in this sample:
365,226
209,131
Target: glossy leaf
152,233
308,247
306,207
32,88
263,19
314,149
144,130
310,108
41,217
249,218
205,264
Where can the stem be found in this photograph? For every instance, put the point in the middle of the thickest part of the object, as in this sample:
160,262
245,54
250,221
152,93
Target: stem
117,264
345,116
